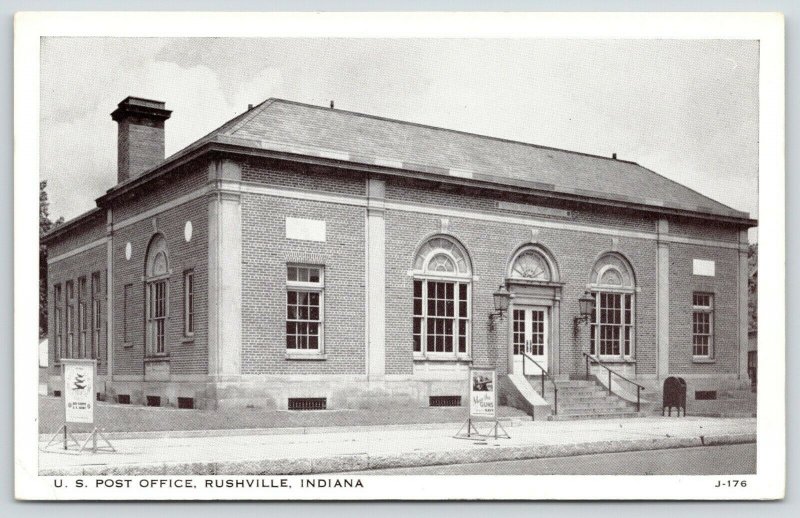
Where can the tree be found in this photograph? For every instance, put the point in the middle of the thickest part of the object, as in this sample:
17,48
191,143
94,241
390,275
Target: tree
45,225
752,287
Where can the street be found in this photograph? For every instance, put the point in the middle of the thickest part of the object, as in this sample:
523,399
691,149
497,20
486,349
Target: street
711,460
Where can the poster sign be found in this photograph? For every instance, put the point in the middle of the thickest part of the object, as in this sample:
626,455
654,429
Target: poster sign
483,393
79,390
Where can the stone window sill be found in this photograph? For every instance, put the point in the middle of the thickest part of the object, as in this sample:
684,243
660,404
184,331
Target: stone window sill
704,360
617,361
445,358
306,356
187,340
160,358
127,345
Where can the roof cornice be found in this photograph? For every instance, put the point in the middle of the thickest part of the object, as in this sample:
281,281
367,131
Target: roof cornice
255,148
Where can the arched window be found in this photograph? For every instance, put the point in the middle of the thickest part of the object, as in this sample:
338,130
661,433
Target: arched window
530,264
157,295
442,295
612,323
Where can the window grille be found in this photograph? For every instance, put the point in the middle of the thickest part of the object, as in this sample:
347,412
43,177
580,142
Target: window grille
308,403
444,401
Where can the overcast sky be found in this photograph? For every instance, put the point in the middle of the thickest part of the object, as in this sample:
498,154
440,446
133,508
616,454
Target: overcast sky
685,109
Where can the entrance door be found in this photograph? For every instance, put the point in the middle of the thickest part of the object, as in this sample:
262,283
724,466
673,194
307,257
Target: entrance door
530,334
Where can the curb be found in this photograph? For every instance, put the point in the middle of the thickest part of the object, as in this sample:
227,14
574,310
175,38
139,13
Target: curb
365,462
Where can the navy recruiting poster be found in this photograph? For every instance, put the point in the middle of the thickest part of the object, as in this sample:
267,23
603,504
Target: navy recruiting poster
482,393
79,390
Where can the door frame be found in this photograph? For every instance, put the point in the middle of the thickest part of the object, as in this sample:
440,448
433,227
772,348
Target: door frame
529,308
527,296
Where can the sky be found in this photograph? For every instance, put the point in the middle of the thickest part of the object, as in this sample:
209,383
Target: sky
685,109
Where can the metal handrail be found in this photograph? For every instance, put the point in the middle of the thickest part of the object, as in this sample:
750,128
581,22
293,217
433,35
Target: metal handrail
596,359
545,374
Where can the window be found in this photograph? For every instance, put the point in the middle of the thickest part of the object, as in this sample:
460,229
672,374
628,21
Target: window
531,265
82,318
97,314
611,330
188,303
441,299
157,295
126,304
58,347
157,316
304,295
611,324
702,325
70,320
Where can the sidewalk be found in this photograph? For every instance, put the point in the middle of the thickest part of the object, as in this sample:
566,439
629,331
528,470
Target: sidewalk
355,449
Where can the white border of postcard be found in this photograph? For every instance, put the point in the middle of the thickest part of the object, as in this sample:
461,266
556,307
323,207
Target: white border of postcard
769,482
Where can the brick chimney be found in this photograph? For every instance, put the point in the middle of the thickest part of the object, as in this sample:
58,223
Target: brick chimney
140,140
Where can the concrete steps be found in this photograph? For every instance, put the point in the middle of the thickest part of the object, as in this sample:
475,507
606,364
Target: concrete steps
578,417
584,399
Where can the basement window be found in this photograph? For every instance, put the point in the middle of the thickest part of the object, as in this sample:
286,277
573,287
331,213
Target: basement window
186,402
124,399
308,403
153,400
444,401
702,395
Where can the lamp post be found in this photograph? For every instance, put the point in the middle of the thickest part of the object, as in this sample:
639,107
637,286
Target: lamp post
585,305
501,301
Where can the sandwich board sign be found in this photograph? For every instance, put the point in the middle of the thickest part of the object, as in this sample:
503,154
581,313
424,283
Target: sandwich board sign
483,393
482,405
79,390
79,403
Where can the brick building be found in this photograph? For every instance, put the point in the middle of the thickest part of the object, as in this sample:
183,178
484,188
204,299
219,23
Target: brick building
301,252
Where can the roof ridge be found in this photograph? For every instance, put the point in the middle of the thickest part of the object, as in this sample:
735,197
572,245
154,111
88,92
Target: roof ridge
250,114
460,132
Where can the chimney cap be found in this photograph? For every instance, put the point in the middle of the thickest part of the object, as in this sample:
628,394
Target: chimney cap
141,107
614,156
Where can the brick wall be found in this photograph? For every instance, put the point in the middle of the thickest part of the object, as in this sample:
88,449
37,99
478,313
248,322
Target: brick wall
700,229
265,255
491,246
89,230
186,356
425,192
73,268
165,189
303,176
726,322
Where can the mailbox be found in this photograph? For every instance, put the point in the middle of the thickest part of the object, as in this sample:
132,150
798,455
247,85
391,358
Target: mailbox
674,395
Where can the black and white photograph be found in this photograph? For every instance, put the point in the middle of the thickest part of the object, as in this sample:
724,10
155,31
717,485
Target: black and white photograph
299,265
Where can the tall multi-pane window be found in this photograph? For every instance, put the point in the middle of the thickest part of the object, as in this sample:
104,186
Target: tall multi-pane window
703,325
58,324
304,308
612,321
157,295
70,288
188,303
441,299
96,313
611,324
157,316
82,318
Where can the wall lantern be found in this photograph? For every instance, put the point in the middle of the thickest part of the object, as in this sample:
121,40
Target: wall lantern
501,300
585,305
